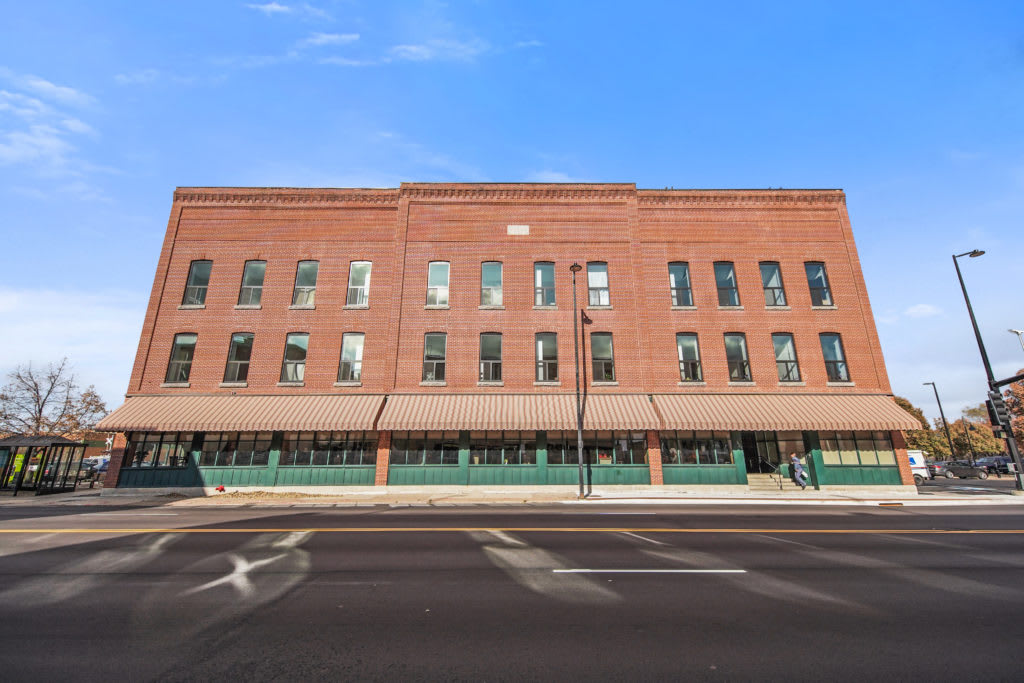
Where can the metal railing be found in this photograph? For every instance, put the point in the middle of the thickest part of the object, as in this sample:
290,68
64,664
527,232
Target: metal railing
689,371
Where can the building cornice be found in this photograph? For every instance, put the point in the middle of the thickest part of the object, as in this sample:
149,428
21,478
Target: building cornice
296,196
519,191
739,197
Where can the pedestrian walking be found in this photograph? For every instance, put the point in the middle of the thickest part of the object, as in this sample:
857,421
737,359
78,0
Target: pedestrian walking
796,469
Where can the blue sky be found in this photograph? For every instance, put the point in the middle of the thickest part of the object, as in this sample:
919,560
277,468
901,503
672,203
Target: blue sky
915,109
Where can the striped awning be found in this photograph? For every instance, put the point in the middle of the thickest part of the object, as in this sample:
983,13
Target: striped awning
243,413
780,412
427,412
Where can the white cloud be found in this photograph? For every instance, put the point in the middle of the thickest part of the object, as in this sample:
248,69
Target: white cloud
528,43
137,77
39,144
77,126
270,8
97,331
345,61
47,90
441,50
319,39
549,176
922,311
305,9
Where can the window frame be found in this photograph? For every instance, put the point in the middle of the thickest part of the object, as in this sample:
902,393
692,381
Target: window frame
179,364
490,369
540,291
438,288
734,289
778,294
304,296
355,366
546,369
606,363
434,362
298,367
676,292
741,366
362,292
837,371
821,296
233,363
791,366
491,289
689,366
592,290
253,291
195,295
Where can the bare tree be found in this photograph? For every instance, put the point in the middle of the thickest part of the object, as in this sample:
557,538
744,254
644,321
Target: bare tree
36,402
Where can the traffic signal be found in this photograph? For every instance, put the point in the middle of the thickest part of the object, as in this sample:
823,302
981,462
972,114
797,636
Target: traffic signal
998,412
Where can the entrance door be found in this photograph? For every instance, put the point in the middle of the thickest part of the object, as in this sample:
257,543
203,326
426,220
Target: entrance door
749,443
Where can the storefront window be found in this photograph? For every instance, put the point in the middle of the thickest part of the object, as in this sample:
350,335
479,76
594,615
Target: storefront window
156,449
328,449
502,448
696,448
425,448
857,448
236,449
599,448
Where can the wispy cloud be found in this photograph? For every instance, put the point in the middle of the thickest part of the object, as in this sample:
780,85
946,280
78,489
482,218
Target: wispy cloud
549,176
528,43
321,39
270,8
441,50
141,77
922,311
345,61
304,10
47,90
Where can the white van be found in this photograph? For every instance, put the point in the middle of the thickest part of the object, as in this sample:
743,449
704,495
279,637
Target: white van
919,466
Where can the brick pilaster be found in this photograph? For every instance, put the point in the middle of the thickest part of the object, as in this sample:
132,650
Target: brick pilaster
116,460
383,457
654,459
899,444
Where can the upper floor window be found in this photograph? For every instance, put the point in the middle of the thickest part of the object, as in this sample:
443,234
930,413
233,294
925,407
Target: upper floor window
434,351
239,355
736,355
547,356
251,292
543,284
198,283
603,357
180,364
689,357
679,284
490,357
597,283
305,283
437,283
835,359
490,283
293,366
725,280
358,283
350,369
785,357
771,280
817,280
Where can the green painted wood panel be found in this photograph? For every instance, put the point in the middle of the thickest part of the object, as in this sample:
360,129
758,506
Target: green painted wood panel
859,475
701,474
349,475
235,476
499,475
600,475
158,478
427,475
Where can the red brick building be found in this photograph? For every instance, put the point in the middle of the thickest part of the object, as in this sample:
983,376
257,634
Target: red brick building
424,335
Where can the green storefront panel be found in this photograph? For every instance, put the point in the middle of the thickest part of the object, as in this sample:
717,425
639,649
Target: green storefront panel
859,475
158,478
700,474
236,476
426,475
600,475
359,475
502,475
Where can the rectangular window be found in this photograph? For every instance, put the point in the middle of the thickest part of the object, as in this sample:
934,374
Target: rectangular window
502,448
679,284
725,280
490,357
198,283
350,369
251,292
293,367
328,449
736,354
835,359
547,356
817,280
358,283
543,284
601,353
424,448
434,349
305,283
169,449
490,284
771,280
239,355
689,357
597,284
227,449
437,283
785,357
180,365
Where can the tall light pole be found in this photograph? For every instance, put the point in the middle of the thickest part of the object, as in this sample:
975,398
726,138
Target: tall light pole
575,268
1020,336
967,433
993,385
949,439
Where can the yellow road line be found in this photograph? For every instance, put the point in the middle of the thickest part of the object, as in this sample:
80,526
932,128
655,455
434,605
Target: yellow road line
342,530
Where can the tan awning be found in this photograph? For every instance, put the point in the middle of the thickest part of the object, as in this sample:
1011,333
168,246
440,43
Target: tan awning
243,413
779,412
425,412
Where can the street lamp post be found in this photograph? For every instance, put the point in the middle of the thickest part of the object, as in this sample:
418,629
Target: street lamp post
993,385
970,444
949,439
575,268
1020,336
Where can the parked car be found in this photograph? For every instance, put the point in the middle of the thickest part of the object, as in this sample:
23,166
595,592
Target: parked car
940,469
964,469
995,464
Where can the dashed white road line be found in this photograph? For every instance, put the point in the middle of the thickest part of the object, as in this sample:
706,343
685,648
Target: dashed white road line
649,571
642,538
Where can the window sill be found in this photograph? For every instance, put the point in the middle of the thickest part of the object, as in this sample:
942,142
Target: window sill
191,307
691,384
291,384
490,384
547,384
492,308
604,384
349,383
356,307
435,307
684,308
730,308
233,385
777,308
433,384
247,307
609,307
792,384
840,384
743,384
824,308
302,308
175,385
545,308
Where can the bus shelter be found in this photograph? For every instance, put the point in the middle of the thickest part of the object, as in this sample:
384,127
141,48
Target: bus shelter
43,464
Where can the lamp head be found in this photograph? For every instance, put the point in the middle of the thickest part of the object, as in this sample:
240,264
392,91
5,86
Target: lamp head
975,253
1016,331
575,267
927,383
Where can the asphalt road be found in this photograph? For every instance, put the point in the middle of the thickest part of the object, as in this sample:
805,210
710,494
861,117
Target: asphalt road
476,593
991,486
